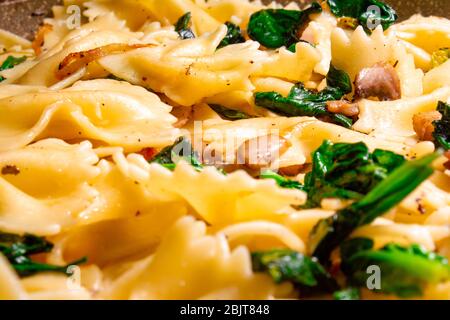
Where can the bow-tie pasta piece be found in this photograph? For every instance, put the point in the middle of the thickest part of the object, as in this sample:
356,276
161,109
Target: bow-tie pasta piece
191,70
394,118
190,264
107,111
106,30
352,53
222,199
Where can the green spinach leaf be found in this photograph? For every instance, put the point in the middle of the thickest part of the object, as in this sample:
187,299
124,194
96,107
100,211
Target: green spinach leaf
233,36
309,103
181,150
405,271
329,233
304,272
229,114
183,27
359,9
274,28
442,127
10,63
18,249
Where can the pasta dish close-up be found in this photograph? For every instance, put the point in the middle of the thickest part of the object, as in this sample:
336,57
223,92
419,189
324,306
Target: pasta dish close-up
225,150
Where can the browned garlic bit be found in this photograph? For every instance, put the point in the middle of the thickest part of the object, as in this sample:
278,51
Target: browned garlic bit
343,107
380,81
423,124
260,152
39,40
77,60
447,164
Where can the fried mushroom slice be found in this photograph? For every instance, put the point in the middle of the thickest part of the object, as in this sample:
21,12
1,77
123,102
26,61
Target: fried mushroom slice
380,81
343,107
260,152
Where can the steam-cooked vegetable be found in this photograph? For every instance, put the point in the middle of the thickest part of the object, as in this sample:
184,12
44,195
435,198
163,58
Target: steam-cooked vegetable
442,127
282,181
361,10
304,102
18,249
233,36
274,28
329,233
347,294
10,63
405,271
183,27
347,171
229,114
180,150
304,272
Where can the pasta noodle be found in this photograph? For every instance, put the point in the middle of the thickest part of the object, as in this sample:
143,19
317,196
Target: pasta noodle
184,159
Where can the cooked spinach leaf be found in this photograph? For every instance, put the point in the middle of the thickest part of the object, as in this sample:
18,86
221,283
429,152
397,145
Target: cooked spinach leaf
442,127
329,233
347,294
181,150
339,79
274,28
405,271
304,272
282,181
183,27
229,114
10,63
18,249
347,171
310,103
233,36
359,9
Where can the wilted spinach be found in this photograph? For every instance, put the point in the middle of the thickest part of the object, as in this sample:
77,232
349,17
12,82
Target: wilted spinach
405,271
442,127
304,272
181,150
229,114
360,10
329,233
274,28
18,249
233,36
10,63
310,103
183,27
347,171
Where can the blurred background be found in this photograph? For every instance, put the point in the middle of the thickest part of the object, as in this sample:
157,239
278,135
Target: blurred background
24,16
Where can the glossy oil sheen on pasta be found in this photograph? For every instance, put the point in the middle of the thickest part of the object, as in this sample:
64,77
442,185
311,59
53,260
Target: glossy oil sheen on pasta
74,148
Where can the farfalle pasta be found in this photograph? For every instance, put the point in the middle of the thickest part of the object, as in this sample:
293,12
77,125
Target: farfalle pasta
193,149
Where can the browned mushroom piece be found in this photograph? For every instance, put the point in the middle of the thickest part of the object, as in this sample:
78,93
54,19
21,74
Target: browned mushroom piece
380,81
423,124
343,107
260,152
